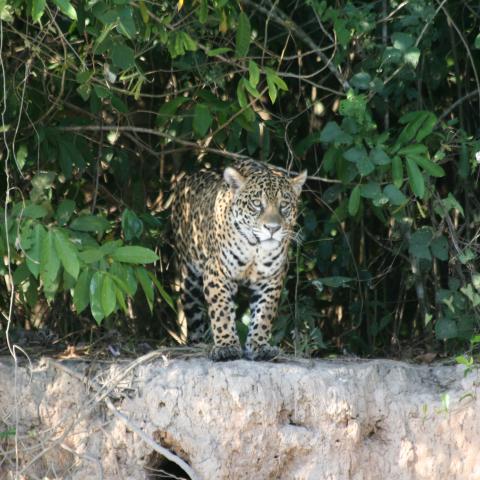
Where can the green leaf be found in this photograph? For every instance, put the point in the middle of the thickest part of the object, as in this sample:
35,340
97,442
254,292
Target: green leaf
21,274
361,80
120,299
84,91
146,283
439,248
355,154
102,92
67,8
38,8
471,294
132,226
218,51
188,42
163,293
365,166
431,168
96,297
254,73
429,122
414,149
251,90
109,299
370,190
379,157
33,256
49,265
134,254
395,196
168,110
21,156
354,201
278,81
242,98
476,43
201,120
272,89
412,56
122,56
119,104
415,178
111,246
397,171
446,328
90,223
64,211
419,242
243,35
91,255
126,24
81,292
125,273
34,211
402,41
67,253
451,203
332,133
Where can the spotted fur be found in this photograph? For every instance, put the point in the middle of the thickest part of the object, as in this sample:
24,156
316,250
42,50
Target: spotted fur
234,230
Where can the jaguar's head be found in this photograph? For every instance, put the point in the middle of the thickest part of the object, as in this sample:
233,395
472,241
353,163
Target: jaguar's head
264,206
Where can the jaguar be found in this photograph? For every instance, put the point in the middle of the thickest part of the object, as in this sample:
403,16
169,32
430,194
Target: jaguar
230,230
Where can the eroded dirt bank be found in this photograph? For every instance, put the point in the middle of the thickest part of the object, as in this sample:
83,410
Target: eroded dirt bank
314,420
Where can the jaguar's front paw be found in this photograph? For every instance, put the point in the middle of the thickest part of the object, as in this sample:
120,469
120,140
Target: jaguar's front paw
221,354
262,352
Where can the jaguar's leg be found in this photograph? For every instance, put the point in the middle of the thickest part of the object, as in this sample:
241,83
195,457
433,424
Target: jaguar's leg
219,294
192,305
263,305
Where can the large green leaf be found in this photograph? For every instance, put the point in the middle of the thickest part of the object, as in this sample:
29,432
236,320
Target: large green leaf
33,254
81,292
96,297
354,201
415,178
419,243
439,248
431,168
254,73
67,253
123,56
49,264
38,8
242,38
134,254
332,133
90,223
201,120
395,196
397,171
67,8
109,299
146,283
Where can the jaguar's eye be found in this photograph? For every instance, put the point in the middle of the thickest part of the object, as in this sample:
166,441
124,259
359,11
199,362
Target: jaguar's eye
284,204
257,203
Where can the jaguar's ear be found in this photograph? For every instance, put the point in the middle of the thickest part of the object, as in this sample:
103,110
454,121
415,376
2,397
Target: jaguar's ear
298,181
234,179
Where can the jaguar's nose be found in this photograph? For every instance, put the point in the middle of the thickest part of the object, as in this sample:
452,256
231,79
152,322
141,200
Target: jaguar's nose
272,227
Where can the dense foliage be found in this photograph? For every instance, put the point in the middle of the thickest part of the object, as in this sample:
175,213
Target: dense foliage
104,100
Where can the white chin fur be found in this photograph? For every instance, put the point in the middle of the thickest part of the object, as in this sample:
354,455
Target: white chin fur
269,244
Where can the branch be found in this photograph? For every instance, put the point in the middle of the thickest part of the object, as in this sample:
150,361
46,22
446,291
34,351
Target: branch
282,19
